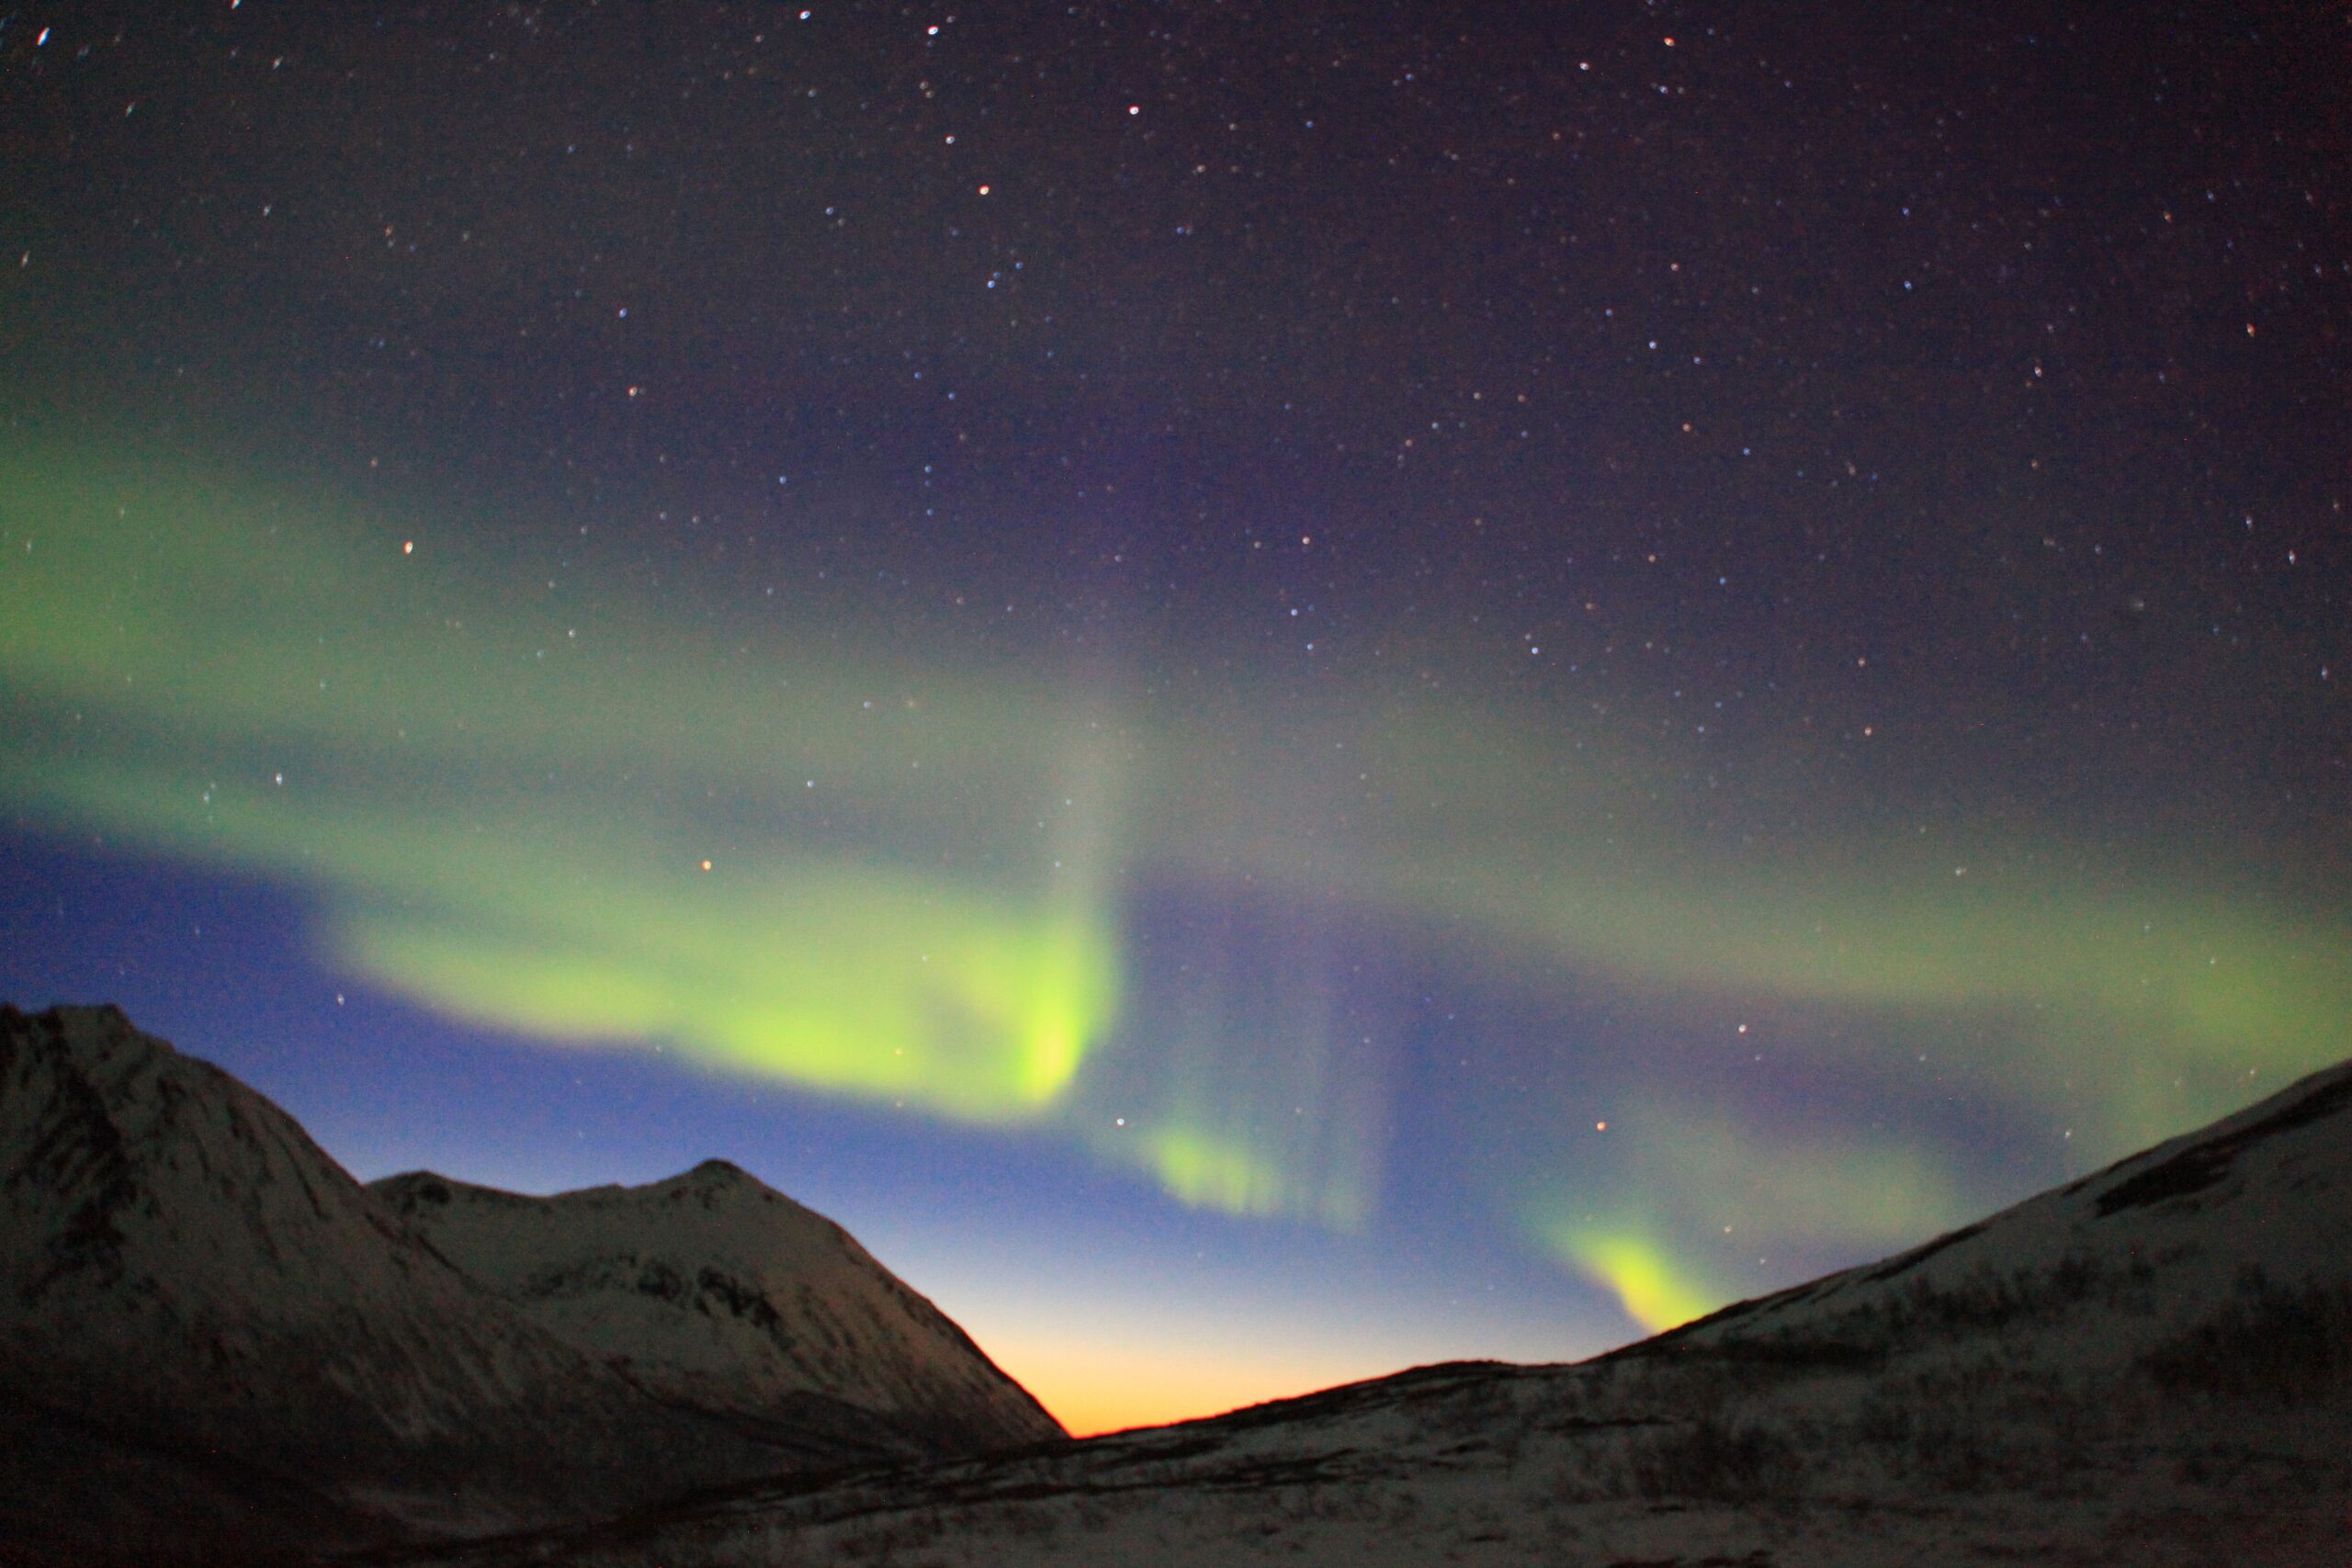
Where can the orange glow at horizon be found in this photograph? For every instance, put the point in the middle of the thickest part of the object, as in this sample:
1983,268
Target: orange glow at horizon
1093,1388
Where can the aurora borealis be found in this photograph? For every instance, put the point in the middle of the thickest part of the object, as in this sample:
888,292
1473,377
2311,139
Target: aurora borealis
1115,655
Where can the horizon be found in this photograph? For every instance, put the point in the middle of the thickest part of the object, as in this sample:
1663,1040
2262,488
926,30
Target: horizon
1091,1390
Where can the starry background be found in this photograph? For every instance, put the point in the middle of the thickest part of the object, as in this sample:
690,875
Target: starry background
1273,690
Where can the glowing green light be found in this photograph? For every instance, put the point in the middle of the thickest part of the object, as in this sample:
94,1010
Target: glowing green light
1201,1172
868,981
922,863
1634,1269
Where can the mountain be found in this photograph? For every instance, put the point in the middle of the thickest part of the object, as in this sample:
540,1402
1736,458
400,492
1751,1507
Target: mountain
2151,1366
216,1345
712,1292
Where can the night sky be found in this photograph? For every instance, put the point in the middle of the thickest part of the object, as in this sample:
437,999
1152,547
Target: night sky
1273,690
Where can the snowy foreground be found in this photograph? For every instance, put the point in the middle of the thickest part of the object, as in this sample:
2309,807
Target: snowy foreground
2151,1366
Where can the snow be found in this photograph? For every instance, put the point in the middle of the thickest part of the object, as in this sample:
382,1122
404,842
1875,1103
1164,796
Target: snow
208,1321
2151,1366
712,1290
215,1335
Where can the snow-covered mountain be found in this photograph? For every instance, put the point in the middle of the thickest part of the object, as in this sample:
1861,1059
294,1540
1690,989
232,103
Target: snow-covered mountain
714,1291
214,1341
2151,1366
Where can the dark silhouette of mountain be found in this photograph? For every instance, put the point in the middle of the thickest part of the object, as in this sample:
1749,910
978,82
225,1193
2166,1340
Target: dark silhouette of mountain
711,1291
215,1345
2150,1365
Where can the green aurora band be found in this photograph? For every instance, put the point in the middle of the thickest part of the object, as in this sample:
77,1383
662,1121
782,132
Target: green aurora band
1717,1190
585,818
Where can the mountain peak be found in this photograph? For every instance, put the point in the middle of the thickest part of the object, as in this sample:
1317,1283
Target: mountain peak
183,1272
2152,1365
718,1291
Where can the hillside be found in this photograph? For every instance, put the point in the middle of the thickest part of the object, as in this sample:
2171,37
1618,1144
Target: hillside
711,1291
216,1345
2153,1365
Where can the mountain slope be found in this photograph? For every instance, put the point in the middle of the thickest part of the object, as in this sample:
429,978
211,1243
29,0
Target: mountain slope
712,1291
191,1287
214,1342
2255,1204
2153,1366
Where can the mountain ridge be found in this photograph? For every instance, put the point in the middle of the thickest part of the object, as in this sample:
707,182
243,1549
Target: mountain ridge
2151,1364
749,1301
196,1300
2174,1176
